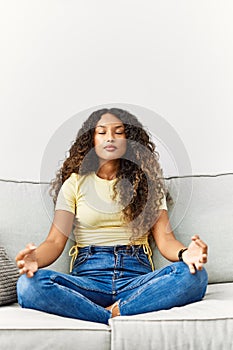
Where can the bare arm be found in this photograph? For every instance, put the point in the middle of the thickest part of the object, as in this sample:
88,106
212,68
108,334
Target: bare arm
32,258
165,239
169,246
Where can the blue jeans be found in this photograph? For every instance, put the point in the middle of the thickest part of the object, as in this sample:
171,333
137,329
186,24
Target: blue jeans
104,275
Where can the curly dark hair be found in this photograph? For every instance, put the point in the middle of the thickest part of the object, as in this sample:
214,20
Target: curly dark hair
140,166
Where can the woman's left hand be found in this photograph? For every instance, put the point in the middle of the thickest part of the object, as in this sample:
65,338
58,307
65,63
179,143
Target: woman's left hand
196,254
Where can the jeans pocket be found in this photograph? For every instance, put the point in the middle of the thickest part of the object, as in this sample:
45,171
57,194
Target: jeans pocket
143,259
81,258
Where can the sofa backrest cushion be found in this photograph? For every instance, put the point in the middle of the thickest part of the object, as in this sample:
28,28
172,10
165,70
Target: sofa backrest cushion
26,213
203,205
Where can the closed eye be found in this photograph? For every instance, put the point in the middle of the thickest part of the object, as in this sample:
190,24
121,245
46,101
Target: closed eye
119,130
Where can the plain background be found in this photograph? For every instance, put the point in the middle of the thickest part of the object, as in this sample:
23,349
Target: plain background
61,57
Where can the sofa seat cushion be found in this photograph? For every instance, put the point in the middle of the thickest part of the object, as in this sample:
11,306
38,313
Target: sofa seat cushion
31,329
207,324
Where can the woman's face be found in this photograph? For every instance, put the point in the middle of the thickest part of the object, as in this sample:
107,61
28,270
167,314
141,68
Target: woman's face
109,138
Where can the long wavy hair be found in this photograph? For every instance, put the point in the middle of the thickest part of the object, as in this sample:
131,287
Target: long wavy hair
139,185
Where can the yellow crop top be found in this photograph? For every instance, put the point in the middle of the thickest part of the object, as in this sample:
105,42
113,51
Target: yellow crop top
97,216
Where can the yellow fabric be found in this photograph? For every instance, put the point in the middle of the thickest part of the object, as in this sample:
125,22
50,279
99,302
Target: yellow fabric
97,217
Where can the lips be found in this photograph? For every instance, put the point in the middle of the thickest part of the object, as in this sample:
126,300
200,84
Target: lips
110,148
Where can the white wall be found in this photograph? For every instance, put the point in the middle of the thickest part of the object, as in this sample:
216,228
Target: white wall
61,57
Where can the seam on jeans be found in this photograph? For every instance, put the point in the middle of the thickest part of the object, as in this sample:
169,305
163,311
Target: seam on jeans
113,276
82,297
53,278
141,290
139,284
115,265
121,270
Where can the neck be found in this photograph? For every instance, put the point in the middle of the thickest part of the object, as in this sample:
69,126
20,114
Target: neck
108,170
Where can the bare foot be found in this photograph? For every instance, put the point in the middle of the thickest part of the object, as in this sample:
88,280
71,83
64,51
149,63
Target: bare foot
114,309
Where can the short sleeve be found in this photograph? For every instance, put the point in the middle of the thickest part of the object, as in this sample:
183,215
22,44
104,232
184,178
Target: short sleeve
66,199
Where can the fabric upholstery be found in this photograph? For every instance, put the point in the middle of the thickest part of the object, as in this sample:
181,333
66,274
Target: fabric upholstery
26,213
8,278
24,329
207,324
204,206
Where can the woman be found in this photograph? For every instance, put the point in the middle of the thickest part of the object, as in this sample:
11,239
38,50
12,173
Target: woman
110,189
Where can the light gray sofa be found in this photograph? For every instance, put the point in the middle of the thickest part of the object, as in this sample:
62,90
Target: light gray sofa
203,205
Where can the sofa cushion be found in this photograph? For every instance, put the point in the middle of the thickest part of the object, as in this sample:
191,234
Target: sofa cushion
8,277
26,214
204,205
207,324
31,329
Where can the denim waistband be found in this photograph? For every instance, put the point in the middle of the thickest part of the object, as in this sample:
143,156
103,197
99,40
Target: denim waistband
92,249
126,249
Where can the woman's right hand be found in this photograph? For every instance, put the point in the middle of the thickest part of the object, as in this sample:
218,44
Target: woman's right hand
26,260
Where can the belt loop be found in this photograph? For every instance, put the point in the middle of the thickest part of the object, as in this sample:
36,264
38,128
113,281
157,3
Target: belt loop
91,249
135,249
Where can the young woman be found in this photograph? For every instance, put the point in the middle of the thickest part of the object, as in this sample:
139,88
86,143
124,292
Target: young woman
110,190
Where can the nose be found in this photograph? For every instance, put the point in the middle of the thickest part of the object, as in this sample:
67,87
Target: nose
109,135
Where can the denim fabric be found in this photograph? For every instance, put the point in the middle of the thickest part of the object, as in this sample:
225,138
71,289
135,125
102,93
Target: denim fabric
104,275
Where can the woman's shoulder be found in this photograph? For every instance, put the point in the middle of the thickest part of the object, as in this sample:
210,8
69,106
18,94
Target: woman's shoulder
72,183
74,176
72,180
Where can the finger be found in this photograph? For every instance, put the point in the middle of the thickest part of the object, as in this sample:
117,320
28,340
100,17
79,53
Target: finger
27,272
202,245
24,252
203,259
199,266
22,271
30,246
199,241
30,274
195,237
192,268
20,264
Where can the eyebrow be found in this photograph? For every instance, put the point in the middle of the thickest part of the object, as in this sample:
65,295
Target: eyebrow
104,126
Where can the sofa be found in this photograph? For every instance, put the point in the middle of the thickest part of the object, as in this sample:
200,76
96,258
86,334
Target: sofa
202,205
